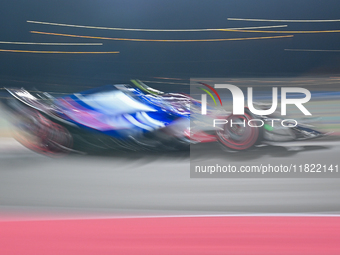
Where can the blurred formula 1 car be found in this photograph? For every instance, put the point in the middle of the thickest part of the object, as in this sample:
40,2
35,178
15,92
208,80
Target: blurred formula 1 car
130,118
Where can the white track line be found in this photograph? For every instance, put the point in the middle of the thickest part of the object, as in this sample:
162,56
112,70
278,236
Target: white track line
244,215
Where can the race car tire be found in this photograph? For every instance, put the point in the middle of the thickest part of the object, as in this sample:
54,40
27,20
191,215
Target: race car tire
236,134
42,135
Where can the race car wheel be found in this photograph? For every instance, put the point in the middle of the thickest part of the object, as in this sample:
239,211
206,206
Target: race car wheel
42,135
236,134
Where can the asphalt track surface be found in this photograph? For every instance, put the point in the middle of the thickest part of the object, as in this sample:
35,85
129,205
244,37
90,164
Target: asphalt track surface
160,183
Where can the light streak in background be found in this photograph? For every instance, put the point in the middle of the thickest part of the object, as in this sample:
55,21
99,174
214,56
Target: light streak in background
312,50
167,78
287,20
61,52
154,40
34,43
284,31
148,30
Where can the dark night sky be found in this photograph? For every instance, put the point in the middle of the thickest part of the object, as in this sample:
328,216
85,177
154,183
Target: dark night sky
145,60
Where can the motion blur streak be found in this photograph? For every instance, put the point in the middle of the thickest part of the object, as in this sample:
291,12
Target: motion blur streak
154,40
288,20
61,52
312,50
173,235
148,30
163,82
167,78
34,43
